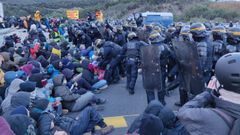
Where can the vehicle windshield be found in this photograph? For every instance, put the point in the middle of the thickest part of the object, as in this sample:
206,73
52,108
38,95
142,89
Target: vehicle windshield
153,18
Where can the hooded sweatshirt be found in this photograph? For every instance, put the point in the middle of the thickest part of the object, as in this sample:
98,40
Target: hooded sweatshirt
199,119
63,91
12,89
18,99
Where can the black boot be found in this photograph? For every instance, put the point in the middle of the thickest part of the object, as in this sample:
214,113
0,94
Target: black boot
131,91
178,104
183,97
161,97
163,101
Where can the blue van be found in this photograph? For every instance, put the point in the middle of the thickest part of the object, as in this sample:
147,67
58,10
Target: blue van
160,18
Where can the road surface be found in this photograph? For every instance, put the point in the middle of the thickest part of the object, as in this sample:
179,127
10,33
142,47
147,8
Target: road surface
121,108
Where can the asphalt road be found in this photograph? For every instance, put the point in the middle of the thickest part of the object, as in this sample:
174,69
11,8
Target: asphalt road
120,103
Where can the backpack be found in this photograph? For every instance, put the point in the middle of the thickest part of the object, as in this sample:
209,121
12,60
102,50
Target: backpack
233,123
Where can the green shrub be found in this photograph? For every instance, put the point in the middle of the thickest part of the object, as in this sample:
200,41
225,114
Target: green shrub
203,11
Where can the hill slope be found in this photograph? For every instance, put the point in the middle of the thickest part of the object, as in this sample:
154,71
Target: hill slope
182,9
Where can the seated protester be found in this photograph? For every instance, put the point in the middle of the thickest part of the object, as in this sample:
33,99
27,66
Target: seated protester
64,48
151,125
33,33
34,48
89,76
41,36
84,122
68,74
43,51
43,61
41,82
20,121
5,63
68,63
160,118
72,83
44,90
85,51
71,101
27,86
82,84
9,42
35,105
77,65
216,112
54,68
27,69
36,64
9,76
10,91
18,55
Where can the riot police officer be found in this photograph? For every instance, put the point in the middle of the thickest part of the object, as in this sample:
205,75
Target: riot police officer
178,27
195,65
132,52
219,43
83,38
148,29
154,60
120,36
185,34
233,40
109,53
204,48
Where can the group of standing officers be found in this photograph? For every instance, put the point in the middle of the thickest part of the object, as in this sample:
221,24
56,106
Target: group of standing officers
183,55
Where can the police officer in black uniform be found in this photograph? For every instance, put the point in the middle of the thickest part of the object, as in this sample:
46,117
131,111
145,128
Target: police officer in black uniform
233,40
185,34
219,43
131,51
155,39
204,48
109,53
120,36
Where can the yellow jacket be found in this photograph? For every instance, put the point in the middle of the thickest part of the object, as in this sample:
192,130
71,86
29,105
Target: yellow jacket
37,16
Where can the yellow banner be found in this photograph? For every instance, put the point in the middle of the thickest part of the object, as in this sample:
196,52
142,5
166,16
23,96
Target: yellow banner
56,51
99,15
72,14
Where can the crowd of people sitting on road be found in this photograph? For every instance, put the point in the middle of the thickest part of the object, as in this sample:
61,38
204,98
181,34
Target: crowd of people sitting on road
50,80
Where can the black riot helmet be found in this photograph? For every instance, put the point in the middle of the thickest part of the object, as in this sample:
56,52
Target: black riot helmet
185,33
178,26
219,33
119,28
233,36
132,35
198,31
185,30
228,72
155,37
99,43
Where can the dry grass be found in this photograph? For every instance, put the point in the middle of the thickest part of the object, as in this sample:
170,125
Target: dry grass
226,5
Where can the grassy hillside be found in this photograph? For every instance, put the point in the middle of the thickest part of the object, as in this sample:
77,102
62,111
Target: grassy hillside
183,9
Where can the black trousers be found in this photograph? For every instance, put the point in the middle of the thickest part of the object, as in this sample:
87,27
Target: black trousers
160,94
132,73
